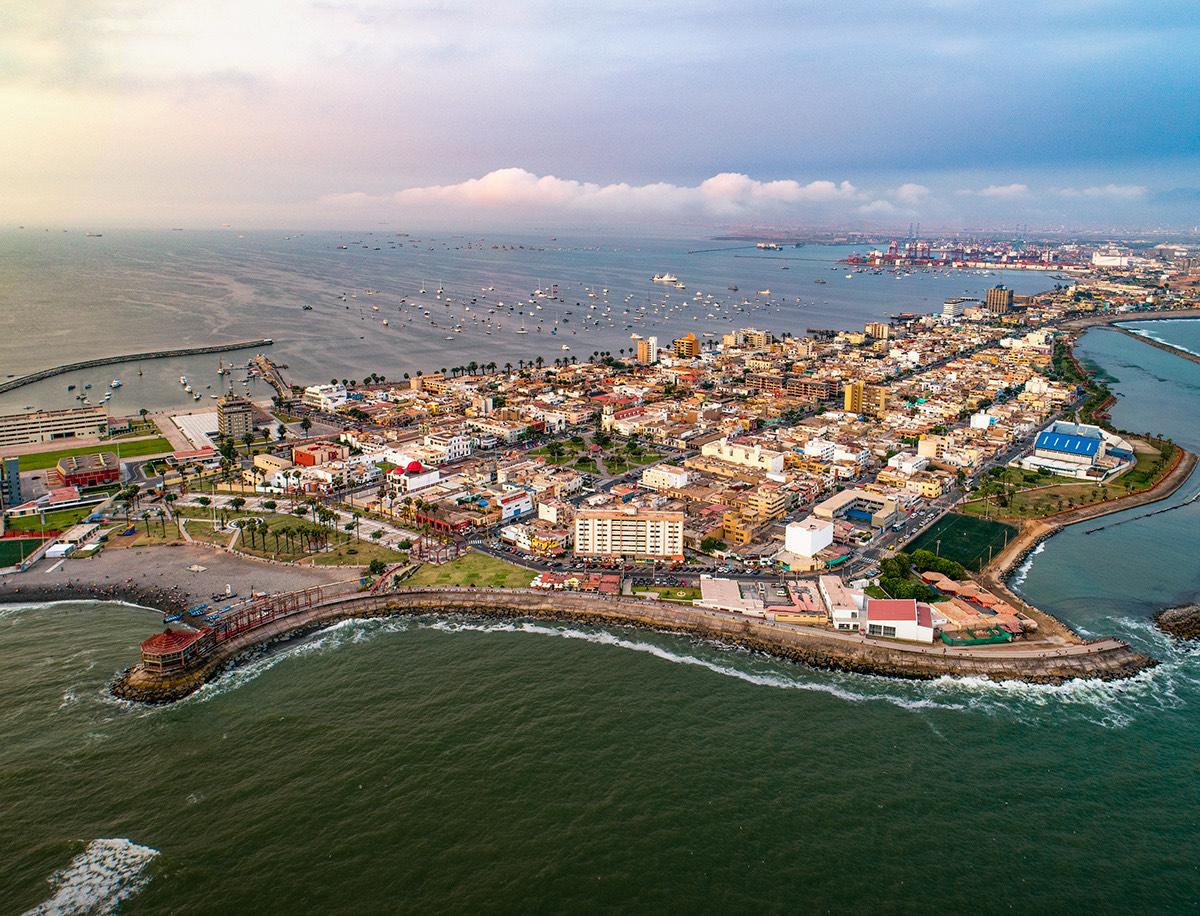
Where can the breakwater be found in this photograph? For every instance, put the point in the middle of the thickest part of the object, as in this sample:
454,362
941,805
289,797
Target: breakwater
1166,347
1107,659
14,383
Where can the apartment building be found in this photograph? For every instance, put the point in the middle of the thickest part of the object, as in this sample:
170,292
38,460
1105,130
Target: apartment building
629,534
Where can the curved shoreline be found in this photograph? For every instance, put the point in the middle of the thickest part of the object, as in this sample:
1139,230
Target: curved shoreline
1107,659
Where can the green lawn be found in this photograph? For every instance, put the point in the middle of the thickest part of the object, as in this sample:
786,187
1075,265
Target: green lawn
358,554
128,449
1040,495
55,521
474,568
964,538
14,550
684,595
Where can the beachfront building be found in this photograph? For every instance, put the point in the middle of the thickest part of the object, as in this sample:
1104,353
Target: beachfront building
174,650
1078,450
52,425
647,351
629,533
847,606
899,618
686,347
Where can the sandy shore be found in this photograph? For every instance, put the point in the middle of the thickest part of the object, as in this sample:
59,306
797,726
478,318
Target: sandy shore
159,577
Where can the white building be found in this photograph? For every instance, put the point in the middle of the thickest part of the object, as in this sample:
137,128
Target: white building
809,537
899,618
750,456
846,605
326,398
412,478
629,532
663,477
821,449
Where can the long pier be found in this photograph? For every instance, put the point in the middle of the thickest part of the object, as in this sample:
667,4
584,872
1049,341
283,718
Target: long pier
14,383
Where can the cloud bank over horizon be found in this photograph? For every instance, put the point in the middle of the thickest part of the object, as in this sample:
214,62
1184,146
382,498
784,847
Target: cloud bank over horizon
310,113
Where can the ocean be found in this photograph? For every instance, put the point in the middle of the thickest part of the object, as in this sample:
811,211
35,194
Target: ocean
456,765
66,297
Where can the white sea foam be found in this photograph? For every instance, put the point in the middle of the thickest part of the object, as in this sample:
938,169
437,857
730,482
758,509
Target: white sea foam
97,880
1110,704
604,638
1022,571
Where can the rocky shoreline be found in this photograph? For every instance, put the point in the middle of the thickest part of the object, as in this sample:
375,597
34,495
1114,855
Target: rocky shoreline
816,648
1181,622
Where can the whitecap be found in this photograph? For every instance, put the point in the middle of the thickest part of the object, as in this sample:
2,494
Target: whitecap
99,879
1022,572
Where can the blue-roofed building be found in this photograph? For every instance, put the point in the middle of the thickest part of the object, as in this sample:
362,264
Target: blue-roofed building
1078,450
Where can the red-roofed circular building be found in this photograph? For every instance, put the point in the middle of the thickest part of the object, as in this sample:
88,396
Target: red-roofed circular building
414,467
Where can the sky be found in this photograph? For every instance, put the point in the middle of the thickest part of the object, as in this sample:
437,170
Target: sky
1059,114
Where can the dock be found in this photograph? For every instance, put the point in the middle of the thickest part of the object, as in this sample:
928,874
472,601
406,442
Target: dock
14,383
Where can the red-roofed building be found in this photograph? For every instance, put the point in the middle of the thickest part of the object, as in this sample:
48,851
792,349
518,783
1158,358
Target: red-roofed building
899,618
175,650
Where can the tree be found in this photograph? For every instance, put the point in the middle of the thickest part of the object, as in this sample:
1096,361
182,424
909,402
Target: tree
204,501
377,567
377,534
306,425
236,503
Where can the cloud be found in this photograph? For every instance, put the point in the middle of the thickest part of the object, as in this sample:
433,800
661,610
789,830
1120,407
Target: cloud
1002,191
727,194
878,208
911,193
1119,191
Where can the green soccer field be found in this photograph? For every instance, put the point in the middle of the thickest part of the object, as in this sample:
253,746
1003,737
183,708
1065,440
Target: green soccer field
12,550
964,538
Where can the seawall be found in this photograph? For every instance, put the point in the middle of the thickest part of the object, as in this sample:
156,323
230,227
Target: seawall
32,377
1104,659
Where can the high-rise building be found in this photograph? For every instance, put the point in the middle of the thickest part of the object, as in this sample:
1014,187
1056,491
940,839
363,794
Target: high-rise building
862,398
235,417
999,300
686,347
10,486
629,533
880,330
647,350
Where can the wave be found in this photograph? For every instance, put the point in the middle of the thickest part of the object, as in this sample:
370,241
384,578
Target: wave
1109,704
605,638
1151,335
99,879
1022,572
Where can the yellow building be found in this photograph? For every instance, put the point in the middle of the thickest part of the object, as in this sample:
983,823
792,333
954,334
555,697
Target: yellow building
686,347
861,398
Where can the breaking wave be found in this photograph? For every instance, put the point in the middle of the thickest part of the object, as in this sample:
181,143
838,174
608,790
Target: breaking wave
1109,704
99,879
1022,572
